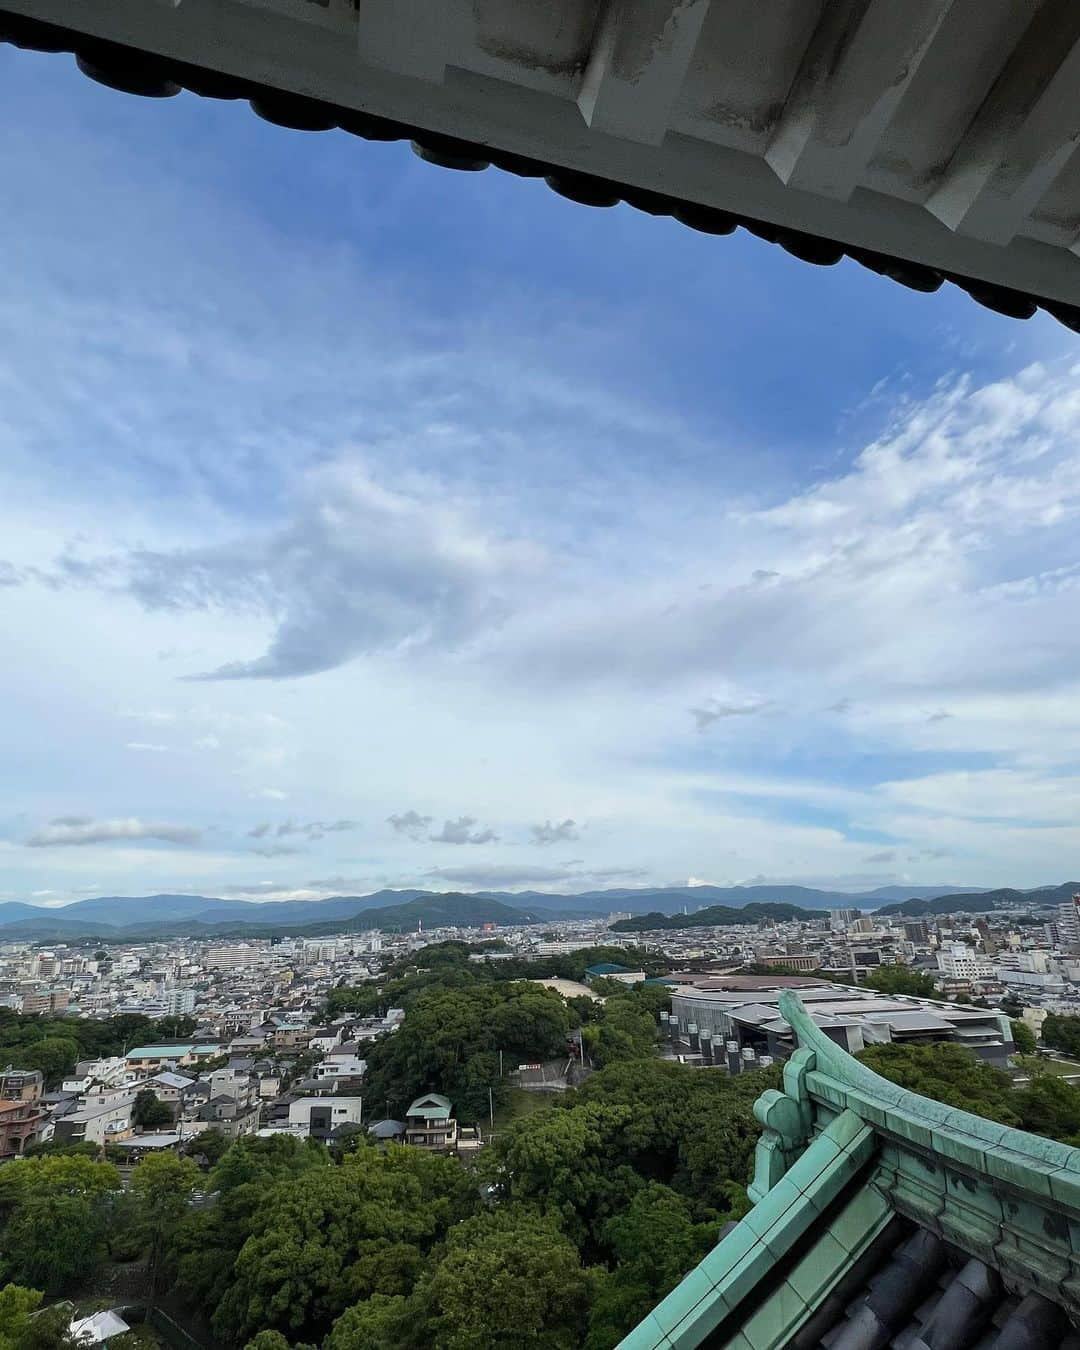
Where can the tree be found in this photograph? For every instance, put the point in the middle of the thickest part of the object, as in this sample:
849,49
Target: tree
148,1112
338,1235
1023,1037
55,1211
267,1340
508,1279
17,1304
49,1329
655,1242
55,1056
175,1028
1062,1032
1049,1106
451,1039
949,1074
626,1029
381,1322
162,1186
208,1241
900,980
209,1145
55,1239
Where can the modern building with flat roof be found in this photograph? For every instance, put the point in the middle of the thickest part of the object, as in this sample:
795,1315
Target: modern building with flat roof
851,1017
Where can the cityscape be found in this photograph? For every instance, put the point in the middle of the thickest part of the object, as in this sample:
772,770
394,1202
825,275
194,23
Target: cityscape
261,1053
539,675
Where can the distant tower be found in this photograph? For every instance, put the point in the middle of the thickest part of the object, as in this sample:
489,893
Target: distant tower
1068,922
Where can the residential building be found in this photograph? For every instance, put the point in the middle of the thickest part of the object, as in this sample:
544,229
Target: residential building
315,1117
21,1085
89,1073
169,1054
97,1123
238,956
343,1062
21,1124
430,1122
179,1002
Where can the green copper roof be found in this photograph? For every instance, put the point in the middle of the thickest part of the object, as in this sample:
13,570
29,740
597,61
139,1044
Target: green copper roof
854,1175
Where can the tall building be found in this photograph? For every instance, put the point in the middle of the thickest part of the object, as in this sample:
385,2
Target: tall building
1068,922
840,918
179,1002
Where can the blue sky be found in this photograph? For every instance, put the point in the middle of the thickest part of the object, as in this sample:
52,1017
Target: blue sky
364,523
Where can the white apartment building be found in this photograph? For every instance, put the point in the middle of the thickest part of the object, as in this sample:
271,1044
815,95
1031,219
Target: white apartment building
958,962
340,1065
179,1002
234,957
1068,922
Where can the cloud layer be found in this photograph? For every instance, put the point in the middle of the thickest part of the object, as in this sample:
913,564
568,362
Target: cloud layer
71,831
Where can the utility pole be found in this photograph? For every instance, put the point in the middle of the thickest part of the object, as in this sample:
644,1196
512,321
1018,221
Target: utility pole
491,1109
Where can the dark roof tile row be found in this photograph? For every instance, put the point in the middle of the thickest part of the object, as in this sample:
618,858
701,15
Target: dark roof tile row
150,76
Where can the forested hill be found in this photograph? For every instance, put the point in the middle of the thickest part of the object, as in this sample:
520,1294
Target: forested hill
984,902
716,915
437,911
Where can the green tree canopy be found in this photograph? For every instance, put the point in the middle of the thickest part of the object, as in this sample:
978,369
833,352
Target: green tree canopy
55,1210
338,1235
654,1242
451,1038
16,1305
507,1279
901,980
148,1112
1062,1032
1023,1037
381,1322
161,1186
949,1074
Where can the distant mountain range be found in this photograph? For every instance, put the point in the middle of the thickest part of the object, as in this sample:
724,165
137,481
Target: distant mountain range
128,918
984,901
133,917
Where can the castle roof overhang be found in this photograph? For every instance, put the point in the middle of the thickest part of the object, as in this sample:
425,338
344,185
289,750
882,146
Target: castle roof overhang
882,1218
931,142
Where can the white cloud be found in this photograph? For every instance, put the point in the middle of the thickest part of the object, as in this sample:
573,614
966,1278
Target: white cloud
67,831
361,569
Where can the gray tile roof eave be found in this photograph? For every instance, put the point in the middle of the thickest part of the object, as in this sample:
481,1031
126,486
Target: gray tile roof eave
132,71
